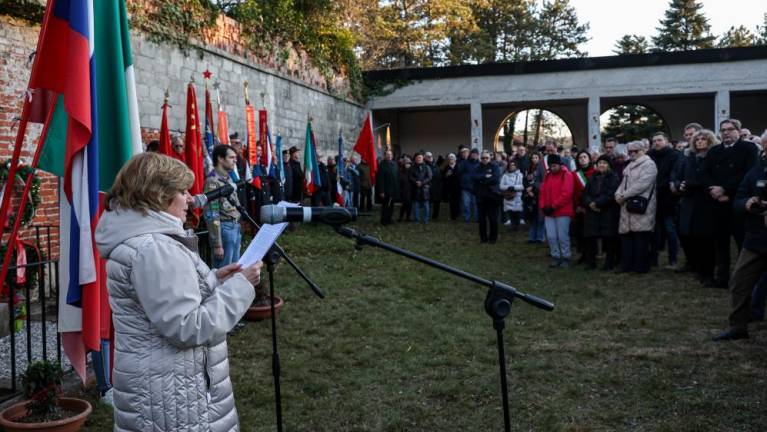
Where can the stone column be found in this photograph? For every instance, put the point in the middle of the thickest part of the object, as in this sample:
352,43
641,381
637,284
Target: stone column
476,125
594,111
722,107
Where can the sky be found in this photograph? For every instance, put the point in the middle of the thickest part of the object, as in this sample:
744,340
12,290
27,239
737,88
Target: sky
611,19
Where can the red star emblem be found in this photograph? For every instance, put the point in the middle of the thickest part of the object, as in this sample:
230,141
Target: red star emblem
207,74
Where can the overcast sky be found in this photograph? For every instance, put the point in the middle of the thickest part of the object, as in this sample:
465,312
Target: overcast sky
611,19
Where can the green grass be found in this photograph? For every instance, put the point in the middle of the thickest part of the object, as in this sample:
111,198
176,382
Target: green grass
397,346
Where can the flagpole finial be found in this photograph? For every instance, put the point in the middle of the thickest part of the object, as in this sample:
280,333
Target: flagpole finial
263,99
191,79
167,95
247,98
207,74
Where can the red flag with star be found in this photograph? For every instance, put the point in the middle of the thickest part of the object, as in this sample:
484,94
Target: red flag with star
193,147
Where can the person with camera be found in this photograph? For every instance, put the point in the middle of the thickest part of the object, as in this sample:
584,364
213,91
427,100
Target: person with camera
487,179
556,203
638,201
750,201
171,313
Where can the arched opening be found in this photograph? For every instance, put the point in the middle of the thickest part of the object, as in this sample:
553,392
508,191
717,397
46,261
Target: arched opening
631,122
531,127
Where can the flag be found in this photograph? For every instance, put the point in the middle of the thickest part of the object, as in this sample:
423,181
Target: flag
366,147
266,148
209,138
312,181
84,57
273,162
223,127
193,146
166,147
340,166
250,125
280,168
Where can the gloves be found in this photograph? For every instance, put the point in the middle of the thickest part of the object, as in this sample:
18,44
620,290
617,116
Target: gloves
548,211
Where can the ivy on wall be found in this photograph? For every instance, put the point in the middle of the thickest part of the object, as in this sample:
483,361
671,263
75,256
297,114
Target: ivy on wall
31,11
177,22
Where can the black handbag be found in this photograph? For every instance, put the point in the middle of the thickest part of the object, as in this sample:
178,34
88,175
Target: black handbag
638,204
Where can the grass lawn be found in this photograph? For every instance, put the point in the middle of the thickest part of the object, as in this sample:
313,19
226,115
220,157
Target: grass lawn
397,346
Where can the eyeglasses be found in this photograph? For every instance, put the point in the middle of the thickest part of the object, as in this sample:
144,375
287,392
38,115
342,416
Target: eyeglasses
727,129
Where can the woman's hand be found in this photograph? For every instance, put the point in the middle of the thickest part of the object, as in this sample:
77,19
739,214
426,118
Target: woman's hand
218,252
253,273
227,271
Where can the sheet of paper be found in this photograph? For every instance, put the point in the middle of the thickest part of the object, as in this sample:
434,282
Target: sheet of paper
264,240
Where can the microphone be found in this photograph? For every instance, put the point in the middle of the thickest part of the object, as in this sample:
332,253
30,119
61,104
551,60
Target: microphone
200,200
273,214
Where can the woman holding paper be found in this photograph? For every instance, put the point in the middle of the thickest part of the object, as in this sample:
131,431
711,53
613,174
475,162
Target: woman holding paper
171,312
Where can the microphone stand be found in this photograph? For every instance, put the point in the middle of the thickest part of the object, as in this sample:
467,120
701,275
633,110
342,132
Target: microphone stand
497,301
271,259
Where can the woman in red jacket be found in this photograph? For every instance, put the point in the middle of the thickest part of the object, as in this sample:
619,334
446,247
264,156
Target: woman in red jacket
556,203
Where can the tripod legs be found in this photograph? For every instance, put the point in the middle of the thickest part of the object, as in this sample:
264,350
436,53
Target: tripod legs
271,259
499,325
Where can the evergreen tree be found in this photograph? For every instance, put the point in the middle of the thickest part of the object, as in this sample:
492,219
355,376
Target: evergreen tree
559,33
684,27
504,30
761,32
633,122
632,44
737,37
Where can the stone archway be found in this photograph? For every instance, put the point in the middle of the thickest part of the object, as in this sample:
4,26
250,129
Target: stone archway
532,125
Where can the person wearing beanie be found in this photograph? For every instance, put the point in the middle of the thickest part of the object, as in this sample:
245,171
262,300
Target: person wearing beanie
602,214
556,203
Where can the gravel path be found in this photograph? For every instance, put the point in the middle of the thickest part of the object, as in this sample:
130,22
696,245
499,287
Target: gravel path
21,350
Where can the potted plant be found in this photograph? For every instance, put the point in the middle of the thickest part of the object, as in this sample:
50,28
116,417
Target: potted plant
262,308
44,409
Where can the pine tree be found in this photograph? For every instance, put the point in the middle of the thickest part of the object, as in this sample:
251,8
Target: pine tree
632,44
684,27
761,32
737,37
633,122
559,33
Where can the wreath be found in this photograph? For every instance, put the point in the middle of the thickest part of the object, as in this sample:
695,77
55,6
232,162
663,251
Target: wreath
34,192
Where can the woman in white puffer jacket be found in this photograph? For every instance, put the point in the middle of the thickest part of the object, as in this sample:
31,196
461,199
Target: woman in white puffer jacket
171,313
512,185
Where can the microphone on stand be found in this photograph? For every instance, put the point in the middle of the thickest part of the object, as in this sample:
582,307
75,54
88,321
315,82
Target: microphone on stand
274,214
200,200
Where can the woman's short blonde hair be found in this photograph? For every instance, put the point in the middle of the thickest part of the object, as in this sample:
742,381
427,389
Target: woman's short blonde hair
705,134
149,181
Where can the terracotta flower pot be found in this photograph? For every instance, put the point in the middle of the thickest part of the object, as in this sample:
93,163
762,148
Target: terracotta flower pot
9,416
260,313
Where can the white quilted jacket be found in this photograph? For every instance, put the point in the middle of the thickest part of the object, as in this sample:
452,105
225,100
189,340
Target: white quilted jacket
171,316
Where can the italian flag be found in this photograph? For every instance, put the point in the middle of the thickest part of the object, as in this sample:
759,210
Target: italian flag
84,60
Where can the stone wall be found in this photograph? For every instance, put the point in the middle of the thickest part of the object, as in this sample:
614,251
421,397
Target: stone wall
292,87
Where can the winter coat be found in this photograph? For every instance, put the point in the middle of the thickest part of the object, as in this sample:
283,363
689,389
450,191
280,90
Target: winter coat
171,315
600,190
435,187
639,178
665,161
557,192
487,179
512,181
696,205
386,179
726,166
405,187
451,182
578,186
298,181
466,169
530,203
364,170
420,173
756,233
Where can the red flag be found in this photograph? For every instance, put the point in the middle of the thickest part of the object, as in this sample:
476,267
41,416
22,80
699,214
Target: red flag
193,145
223,127
250,123
366,147
266,149
165,144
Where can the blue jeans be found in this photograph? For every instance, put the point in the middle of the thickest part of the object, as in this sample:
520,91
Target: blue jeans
669,228
537,230
230,239
468,206
422,207
558,235
348,202
101,369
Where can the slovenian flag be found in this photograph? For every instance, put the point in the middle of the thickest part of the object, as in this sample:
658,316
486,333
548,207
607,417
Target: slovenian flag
312,181
84,57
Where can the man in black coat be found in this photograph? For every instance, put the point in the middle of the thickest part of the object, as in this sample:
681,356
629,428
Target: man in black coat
666,159
287,186
387,186
297,174
724,169
752,262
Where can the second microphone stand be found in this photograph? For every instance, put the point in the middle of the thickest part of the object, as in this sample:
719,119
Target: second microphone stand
271,259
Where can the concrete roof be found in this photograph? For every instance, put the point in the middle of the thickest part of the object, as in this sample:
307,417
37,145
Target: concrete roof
714,55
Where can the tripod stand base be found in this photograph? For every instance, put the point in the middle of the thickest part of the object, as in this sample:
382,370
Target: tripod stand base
260,313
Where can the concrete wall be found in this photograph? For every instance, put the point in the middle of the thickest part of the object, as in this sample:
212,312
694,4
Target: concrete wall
445,132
